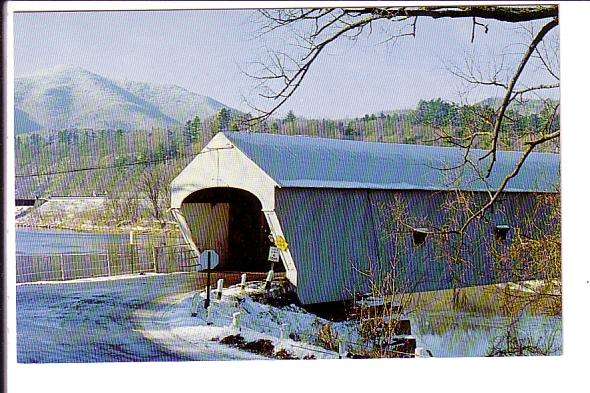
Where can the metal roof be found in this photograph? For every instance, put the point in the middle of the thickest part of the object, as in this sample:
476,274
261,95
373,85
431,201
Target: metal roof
303,161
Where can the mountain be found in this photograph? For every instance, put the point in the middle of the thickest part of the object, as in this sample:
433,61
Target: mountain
71,97
174,101
22,121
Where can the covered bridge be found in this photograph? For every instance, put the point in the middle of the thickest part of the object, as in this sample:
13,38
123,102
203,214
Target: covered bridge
332,200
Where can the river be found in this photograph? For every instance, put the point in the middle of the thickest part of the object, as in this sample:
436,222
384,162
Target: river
465,334
34,241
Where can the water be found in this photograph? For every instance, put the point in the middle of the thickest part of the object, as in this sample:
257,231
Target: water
465,334
57,241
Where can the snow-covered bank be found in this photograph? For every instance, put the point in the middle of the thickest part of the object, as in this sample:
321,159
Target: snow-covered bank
89,214
443,333
20,211
144,318
289,328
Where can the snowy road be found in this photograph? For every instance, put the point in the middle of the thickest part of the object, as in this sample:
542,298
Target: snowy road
92,321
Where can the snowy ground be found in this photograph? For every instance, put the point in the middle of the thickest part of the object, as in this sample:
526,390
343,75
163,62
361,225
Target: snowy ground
464,334
148,318
90,320
83,214
21,210
173,327
58,211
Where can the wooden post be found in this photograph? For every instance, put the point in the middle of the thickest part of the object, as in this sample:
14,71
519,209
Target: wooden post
269,278
88,262
61,264
154,253
235,322
108,264
219,288
132,256
243,283
341,349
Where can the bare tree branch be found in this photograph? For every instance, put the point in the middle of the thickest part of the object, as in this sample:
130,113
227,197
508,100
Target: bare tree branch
531,146
499,13
509,90
350,22
476,23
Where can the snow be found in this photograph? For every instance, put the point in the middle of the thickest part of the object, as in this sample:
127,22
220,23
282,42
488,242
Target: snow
174,328
58,211
78,213
464,334
148,318
69,96
21,210
89,320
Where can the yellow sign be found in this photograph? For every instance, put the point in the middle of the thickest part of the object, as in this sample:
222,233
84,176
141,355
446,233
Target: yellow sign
281,243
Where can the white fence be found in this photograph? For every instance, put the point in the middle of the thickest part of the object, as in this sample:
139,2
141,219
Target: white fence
124,259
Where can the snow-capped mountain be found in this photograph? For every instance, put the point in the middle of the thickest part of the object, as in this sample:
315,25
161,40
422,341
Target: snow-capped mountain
71,97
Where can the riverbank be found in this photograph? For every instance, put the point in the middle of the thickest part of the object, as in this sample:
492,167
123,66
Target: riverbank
170,228
93,215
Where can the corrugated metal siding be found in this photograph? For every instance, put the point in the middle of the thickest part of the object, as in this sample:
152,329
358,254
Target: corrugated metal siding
301,161
332,233
329,234
418,269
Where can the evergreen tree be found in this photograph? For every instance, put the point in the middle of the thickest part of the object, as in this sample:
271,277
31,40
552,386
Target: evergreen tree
221,121
350,132
274,127
290,117
291,123
234,124
193,129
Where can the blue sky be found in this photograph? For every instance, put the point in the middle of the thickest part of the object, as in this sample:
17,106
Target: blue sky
207,52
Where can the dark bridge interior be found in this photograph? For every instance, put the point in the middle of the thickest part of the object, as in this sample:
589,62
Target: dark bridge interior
248,242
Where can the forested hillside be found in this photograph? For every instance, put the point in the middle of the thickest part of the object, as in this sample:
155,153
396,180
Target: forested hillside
115,162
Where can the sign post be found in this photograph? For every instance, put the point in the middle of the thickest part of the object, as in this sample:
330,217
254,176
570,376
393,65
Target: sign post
273,256
208,294
212,261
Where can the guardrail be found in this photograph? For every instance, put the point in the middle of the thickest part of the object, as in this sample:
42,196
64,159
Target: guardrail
120,259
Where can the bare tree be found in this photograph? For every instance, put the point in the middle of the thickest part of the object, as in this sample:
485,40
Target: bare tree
534,250
283,71
153,184
528,267
316,29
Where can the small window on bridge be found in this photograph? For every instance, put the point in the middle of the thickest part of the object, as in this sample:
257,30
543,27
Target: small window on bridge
501,232
419,236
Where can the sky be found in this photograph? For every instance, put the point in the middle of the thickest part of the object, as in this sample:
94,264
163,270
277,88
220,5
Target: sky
209,51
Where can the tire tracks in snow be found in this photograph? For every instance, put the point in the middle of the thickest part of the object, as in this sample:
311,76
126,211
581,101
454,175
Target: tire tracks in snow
154,322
